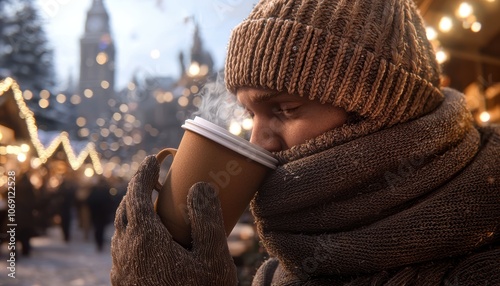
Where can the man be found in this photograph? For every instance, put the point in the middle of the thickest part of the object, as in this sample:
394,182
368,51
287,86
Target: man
383,177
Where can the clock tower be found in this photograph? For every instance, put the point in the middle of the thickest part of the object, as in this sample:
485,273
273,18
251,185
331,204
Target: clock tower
97,64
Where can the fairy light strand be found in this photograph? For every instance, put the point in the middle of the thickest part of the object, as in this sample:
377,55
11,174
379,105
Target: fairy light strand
44,153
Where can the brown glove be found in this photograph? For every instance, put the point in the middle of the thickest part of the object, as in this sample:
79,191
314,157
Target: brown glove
144,252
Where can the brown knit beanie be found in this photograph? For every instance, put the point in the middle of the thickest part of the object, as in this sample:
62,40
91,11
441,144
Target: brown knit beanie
370,57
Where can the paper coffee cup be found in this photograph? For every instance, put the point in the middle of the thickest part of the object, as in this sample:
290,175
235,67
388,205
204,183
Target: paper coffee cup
209,153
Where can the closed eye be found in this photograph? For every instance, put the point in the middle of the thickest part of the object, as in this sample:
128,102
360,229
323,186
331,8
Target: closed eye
286,111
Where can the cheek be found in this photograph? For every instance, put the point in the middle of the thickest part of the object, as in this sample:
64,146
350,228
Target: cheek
299,133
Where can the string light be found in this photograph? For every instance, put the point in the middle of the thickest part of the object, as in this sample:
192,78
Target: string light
431,33
235,128
475,27
44,153
247,124
464,10
445,24
485,117
61,98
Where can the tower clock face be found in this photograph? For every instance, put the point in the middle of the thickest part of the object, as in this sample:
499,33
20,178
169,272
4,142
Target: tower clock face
95,24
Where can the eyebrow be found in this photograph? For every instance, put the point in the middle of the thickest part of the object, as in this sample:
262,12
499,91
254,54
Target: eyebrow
265,96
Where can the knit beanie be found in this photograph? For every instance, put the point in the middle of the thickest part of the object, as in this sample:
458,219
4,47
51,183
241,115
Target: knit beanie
370,57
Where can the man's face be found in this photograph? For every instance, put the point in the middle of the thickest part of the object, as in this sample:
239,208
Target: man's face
281,120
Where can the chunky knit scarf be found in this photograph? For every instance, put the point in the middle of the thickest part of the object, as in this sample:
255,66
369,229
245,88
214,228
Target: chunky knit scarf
417,202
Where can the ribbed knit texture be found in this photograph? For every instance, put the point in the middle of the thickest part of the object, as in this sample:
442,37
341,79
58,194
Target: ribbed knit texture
371,57
143,251
415,204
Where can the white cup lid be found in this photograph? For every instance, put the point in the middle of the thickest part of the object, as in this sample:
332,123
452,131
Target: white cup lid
231,141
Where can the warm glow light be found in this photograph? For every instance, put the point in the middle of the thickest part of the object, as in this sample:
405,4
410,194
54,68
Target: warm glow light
129,118
476,27
203,70
101,58
118,132
159,97
137,138
45,94
117,116
25,148
123,108
485,117
27,94
194,69
81,121
464,10
114,146
131,86
100,122
88,93
445,24
441,56
104,132
431,33
84,132
168,96
194,89
155,54
61,98
105,84
75,99
128,140
44,103
35,163
247,124
88,172
21,157
45,152
183,101
235,128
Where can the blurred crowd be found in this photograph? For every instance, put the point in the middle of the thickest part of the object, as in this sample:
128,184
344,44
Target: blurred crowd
55,196
48,197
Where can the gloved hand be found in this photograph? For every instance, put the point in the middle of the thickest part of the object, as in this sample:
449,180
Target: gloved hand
143,250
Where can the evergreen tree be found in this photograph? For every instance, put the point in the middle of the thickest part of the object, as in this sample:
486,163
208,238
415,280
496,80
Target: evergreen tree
24,51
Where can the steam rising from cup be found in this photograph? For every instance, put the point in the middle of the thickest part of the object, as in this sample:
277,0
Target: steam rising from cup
222,108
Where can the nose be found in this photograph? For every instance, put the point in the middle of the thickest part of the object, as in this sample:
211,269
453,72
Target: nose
264,135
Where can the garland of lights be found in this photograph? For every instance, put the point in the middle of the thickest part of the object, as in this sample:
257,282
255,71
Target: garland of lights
63,138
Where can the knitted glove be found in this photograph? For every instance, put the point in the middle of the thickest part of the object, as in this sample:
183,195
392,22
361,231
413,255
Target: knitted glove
143,250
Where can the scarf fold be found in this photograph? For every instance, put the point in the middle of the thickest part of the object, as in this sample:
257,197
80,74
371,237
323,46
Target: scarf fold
421,191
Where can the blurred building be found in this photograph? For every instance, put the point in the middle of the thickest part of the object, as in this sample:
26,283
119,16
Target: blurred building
164,103
97,64
145,116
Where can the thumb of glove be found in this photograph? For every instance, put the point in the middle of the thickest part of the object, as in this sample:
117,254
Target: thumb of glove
138,200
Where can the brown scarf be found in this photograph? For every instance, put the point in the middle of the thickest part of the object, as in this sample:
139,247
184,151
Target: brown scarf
402,204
